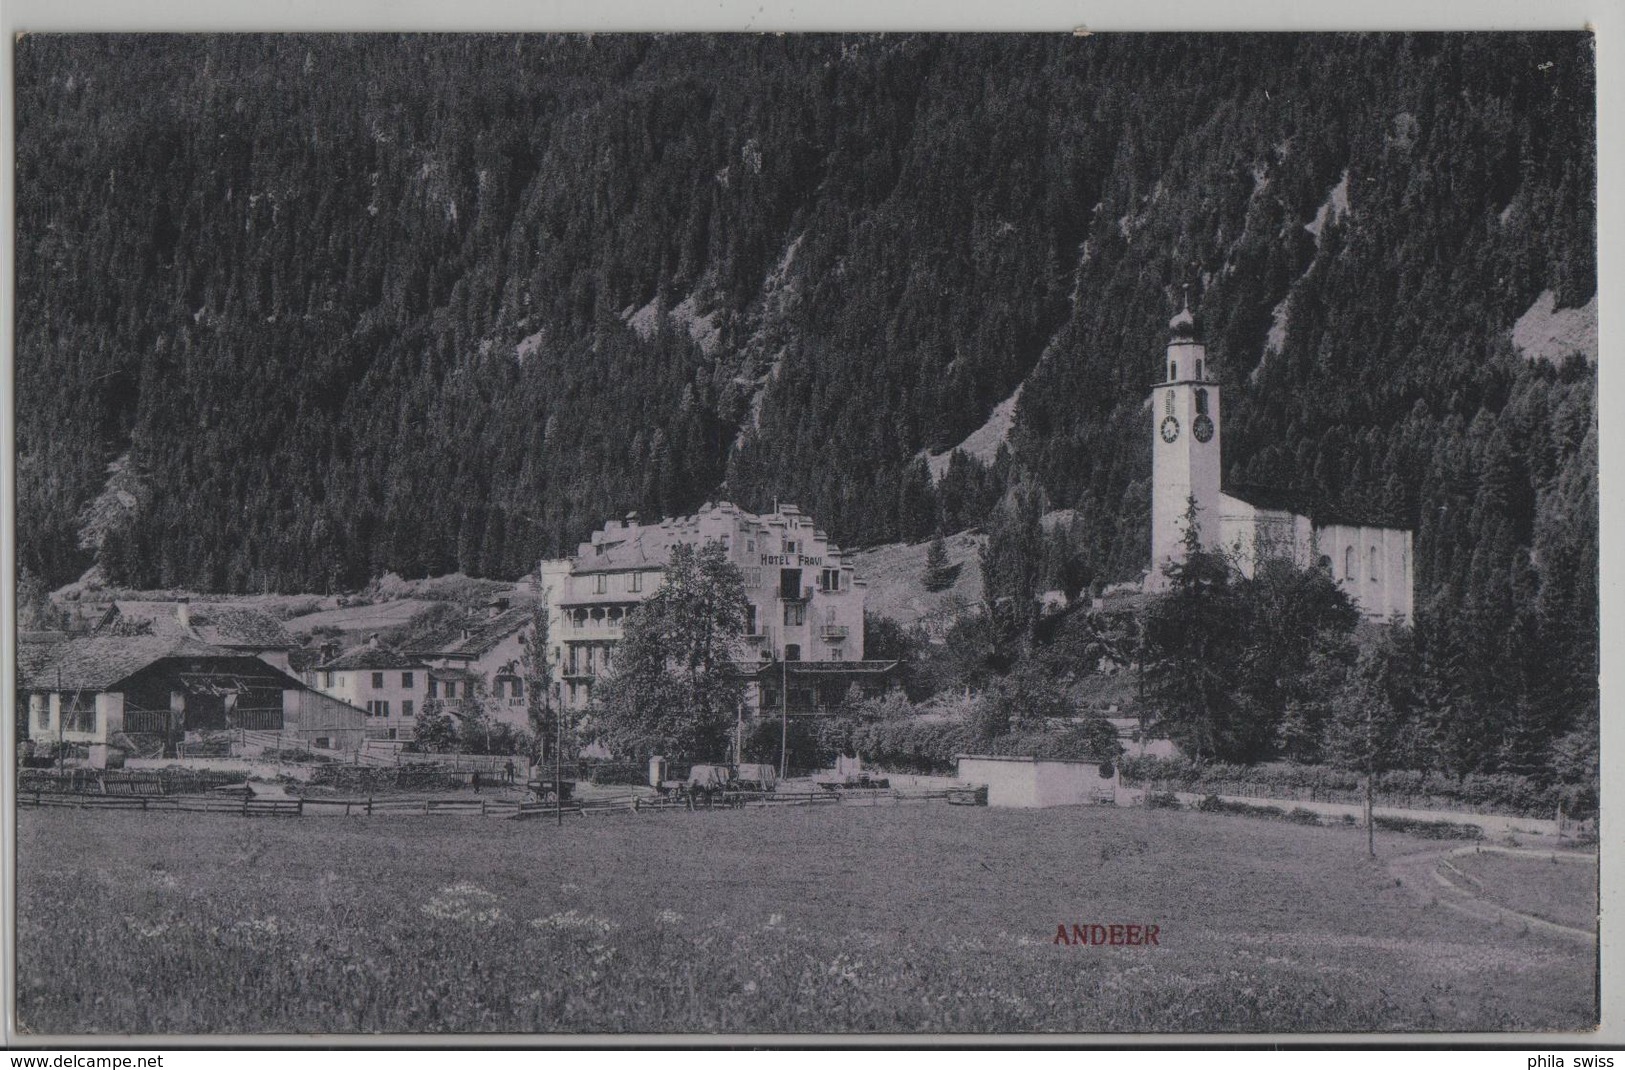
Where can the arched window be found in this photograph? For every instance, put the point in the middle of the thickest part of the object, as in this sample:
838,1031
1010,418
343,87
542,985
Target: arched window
1198,367
1348,563
1201,400
1173,371
1374,572
1168,403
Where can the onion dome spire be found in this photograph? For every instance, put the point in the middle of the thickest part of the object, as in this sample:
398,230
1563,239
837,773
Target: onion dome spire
1183,325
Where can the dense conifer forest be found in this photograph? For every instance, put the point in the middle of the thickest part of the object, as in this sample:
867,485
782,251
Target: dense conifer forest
331,306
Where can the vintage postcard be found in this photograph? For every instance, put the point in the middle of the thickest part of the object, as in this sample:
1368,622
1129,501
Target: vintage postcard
544,535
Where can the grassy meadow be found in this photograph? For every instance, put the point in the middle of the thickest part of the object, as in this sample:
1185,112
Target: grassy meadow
915,918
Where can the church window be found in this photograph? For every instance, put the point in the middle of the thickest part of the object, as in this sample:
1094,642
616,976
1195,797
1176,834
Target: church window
1168,403
1198,367
1372,571
1201,400
1173,371
1348,563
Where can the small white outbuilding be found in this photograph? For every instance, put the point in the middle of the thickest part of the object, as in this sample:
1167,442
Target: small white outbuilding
1032,782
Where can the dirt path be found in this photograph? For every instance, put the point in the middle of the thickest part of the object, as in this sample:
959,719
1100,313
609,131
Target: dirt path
1426,873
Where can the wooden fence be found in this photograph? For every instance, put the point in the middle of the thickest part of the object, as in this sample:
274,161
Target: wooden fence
132,797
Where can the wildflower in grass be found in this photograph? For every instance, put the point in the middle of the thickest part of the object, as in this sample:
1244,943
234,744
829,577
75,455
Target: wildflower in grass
668,917
573,920
464,902
774,921
259,926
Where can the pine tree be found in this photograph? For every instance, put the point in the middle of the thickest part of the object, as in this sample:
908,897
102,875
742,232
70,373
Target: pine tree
939,574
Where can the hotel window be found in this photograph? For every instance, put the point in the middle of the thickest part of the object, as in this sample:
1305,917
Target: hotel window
408,681
634,582
600,584
791,546
750,620
792,652
451,688
434,688
795,614
750,546
837,654
407,708
830,579
377,681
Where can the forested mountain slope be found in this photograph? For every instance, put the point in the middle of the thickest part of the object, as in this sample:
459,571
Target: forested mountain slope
341,305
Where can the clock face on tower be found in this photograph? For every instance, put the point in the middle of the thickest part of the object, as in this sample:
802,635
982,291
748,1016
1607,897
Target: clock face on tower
1202,428
1170,428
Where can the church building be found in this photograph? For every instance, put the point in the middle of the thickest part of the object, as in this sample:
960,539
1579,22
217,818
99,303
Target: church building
1373,565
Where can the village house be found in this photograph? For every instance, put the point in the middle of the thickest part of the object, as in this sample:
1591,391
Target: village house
104,692
388,686
1371,563
240,629
487,653
803,643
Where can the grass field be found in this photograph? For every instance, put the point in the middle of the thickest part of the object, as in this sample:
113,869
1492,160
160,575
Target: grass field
899,919
1542,887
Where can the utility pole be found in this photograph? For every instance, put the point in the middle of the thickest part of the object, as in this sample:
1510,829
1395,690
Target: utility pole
784,715
739,734
558,767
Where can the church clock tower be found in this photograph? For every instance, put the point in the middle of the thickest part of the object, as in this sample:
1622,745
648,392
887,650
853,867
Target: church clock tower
1184,448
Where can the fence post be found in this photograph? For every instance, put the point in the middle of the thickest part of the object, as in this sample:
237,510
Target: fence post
369,805
245,804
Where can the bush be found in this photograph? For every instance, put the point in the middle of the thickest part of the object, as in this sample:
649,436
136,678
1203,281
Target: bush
1433,830
800,738
913,746
1299,816
1161,800
1509,793
1212,804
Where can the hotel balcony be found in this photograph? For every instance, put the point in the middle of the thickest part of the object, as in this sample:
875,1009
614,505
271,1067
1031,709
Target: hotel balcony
833,633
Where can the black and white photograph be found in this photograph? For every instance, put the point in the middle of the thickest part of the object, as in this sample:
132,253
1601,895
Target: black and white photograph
549,535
